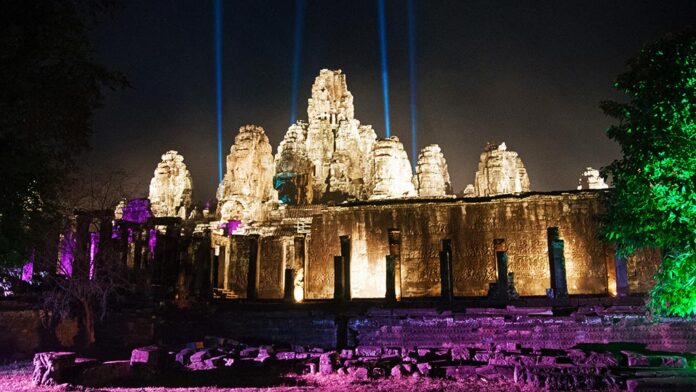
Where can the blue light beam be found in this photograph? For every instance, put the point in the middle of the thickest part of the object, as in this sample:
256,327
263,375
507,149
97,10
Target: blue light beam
218,81
412,77
383,62
296,58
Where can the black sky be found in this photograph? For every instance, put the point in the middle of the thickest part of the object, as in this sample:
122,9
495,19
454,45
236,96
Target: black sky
530,73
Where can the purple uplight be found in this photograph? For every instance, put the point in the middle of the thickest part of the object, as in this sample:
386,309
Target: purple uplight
137,211
232,226
28,269
152,241
93,249
67,254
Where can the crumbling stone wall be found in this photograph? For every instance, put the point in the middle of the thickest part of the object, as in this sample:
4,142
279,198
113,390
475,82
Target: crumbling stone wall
472,225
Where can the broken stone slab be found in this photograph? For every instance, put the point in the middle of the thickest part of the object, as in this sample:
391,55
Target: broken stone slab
106,374
183,357
214,362
52,368
424,368
360,373
670,361
634,359
368,351
151,356
200,356
398,371
285,355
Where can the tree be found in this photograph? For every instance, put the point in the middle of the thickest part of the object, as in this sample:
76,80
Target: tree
50,86
653,203
96,276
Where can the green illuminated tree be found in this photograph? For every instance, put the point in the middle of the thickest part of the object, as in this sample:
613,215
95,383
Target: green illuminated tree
654,200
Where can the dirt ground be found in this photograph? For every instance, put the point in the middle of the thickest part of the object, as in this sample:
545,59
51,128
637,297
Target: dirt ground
17,377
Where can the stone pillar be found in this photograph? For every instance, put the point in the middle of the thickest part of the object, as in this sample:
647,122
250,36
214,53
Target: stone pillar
289,285
390,294
394,237
253,277
557,269
621,275
339,279
345,252
499,289
446,285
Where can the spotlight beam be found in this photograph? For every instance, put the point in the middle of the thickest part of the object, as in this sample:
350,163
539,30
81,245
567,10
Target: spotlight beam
383,62
296,58
412,77
218,82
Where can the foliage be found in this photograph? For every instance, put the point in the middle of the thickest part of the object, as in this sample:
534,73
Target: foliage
654,200
675,295
50,86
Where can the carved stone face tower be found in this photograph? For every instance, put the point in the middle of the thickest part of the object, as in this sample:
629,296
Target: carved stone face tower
171,187
500,172
247,187
336,145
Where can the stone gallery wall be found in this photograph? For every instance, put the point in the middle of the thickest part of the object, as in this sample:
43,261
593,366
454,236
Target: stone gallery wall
471,225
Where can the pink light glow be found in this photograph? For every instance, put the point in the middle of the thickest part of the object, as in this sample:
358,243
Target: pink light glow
152,242
28,269
93,249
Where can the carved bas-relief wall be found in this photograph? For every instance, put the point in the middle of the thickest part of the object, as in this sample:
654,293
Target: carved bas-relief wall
471,225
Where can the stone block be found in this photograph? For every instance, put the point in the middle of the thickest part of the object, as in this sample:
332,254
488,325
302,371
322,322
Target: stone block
398,371
183,357
346,354
360,373
200,356
106,374
285,355
424,368
368,351
459,371
636,360
52,368
151,356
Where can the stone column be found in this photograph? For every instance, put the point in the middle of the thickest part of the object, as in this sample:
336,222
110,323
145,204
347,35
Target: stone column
394,237
253,277
339,279
390,294
501,292
446,271
621,275
557,269
289,285
345,252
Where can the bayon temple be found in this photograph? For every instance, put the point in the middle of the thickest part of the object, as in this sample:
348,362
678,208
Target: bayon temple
339,213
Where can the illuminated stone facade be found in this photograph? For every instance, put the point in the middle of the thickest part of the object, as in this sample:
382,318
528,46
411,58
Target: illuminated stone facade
279,218
171,187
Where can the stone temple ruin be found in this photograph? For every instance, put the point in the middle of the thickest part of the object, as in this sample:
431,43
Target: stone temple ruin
339,213
396,274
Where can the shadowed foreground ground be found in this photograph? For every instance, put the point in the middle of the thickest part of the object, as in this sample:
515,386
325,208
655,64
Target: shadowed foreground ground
17,377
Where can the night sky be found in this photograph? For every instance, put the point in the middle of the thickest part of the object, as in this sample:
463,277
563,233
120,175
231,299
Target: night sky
530,73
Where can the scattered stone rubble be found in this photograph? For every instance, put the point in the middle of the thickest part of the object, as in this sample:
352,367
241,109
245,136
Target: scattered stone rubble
171,187
570,369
